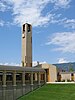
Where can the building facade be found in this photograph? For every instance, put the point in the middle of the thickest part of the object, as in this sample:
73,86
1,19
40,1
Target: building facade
51,72
67,76
16,81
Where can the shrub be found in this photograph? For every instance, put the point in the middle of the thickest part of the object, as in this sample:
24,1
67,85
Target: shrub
63,81
68,80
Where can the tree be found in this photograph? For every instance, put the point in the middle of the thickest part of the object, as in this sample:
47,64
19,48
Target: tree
70,67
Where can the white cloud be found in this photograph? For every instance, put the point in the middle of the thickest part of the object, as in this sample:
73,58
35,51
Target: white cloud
43,62
62,3
2,7
1,23
31,10
64,41
18,64
14,64
62,60
36,63
70,23
10,64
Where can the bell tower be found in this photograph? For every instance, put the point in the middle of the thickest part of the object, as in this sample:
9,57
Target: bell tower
26,45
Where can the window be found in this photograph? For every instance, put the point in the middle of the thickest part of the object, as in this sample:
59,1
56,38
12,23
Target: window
28,28
24,27
71,74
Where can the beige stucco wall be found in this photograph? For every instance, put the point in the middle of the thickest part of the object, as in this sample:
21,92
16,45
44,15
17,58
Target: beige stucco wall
66,76
52,74
74,76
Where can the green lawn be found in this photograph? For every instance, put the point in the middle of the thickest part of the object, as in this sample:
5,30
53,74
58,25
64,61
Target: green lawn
52,92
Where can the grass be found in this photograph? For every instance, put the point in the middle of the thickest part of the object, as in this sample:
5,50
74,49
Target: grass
52,92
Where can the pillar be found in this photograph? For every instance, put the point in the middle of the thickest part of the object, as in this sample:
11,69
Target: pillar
23,78
4,78
14,78
23,83
39,84
35,76
14,85
45,77
4,85
32,81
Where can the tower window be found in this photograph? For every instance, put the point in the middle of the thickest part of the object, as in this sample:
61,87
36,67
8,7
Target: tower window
24,27
28,28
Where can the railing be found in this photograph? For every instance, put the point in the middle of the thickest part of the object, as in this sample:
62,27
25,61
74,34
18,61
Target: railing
11,92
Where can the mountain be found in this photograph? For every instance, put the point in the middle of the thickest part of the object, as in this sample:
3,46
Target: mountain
66,66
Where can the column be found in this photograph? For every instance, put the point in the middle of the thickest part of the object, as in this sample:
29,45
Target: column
32,81
35,76
23,78
4,78
14,85
14,78
39,79
23,83
45,77
4,85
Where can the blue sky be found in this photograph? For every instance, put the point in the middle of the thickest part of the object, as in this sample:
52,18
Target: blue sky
53,23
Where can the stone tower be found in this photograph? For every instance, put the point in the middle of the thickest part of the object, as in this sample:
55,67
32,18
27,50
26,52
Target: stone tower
27,45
